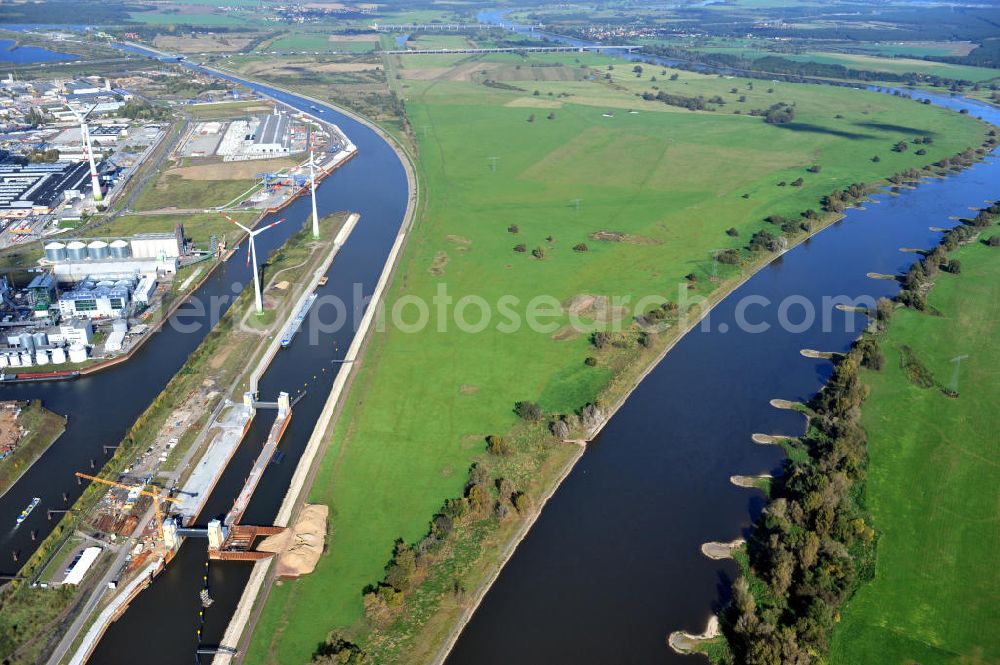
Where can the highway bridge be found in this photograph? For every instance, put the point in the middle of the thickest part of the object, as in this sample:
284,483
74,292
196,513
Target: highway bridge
523,49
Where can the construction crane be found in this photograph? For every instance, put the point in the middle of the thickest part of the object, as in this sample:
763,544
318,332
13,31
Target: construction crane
132,488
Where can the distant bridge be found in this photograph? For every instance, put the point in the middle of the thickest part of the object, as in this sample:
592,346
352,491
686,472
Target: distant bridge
447,27
523,49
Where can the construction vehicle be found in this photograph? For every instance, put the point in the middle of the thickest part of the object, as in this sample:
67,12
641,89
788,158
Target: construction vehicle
157,497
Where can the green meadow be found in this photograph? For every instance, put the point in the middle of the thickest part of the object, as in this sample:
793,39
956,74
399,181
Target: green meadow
932,486
663,183
900,65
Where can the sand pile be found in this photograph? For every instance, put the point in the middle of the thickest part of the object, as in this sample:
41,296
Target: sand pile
299,547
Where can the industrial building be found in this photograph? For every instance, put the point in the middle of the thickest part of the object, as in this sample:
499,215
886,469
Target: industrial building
39,188
271,137
68,342
144,254
265,137
102,300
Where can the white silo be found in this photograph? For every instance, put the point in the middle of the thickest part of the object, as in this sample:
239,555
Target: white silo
40,339
55,252
58,355
120,249
77,353
76,251
4,360
41,357
98,250
15,360
26,341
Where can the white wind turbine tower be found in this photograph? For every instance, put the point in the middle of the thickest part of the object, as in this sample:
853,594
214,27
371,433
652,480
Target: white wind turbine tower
252,256
312,188
95,182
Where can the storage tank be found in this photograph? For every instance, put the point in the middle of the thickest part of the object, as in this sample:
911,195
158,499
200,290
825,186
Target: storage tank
105,284
26,342
41,357
77,353
4,360
76,251
15,360
120,249
55,251
98,250
86,285
40,339
58,355
124,284
25,359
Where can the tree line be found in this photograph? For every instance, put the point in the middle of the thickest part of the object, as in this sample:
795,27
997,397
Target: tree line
813,545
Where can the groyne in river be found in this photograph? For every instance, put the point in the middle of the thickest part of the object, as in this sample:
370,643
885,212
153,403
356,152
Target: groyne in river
613,563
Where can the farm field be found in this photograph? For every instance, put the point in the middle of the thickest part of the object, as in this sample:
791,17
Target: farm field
900,65
208,19
644,197
935,594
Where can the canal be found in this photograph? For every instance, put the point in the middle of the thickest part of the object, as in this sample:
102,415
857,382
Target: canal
103,406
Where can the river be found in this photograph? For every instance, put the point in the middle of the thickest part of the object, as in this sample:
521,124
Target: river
613,564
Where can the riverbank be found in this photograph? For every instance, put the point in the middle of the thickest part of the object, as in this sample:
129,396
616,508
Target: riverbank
867,422
42,428
932,596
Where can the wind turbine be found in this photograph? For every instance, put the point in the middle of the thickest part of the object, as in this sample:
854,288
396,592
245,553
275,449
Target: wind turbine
95,182
312,189
252,256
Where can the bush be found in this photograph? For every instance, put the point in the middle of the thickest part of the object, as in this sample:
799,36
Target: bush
732,232
590,361
338,651
815,168
497,445
529,411
520,248
513,228
580,247
538,253
729,257
601,339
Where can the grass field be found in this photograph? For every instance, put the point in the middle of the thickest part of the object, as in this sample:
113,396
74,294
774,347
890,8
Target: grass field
199,227
672,181
169,189
932,486
204,20
900,65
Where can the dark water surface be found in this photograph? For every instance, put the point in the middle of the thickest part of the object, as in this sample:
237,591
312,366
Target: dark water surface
24,55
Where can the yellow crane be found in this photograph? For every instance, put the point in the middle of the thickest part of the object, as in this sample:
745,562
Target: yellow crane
156,497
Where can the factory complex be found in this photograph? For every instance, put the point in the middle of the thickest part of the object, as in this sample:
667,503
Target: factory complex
89,300
276,134
64,149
